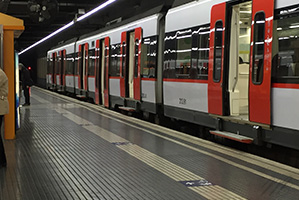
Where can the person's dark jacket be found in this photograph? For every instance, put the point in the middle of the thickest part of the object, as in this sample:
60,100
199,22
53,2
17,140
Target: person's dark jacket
25,77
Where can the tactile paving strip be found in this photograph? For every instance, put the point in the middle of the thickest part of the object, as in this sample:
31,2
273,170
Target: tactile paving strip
55,158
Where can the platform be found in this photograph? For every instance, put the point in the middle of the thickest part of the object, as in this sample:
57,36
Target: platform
69,149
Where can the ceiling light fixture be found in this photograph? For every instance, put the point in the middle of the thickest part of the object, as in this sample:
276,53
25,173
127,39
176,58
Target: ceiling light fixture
100,7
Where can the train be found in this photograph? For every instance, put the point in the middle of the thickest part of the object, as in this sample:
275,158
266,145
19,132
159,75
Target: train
227,65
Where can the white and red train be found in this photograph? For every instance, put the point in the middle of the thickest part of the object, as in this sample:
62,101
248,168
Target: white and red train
231,66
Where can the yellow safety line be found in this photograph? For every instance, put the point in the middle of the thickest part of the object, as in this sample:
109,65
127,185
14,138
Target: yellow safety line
261,162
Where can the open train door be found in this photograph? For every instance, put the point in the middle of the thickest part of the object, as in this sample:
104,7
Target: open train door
260,61
106,72
137,74
54,71
62,70
123,51
215,83
82,69
97,73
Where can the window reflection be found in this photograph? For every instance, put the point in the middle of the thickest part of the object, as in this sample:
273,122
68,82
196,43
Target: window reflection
91,62
186,54
285,62
258,48
149,57
218,51
115,60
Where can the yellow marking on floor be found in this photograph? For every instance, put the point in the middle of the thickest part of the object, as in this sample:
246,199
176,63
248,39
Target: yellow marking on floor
261,162
173,171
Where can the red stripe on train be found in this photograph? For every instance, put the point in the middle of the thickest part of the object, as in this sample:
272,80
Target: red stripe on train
285,85
149,79
185,80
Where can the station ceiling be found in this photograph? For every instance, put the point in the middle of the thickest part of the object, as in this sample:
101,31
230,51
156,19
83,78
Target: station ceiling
42,17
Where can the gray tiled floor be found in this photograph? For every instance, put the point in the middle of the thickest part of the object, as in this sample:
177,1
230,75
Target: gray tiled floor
57,157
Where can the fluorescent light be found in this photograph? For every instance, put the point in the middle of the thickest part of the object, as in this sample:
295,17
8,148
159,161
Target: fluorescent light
95,10
243,36
247,12
260,22
68,25
295,26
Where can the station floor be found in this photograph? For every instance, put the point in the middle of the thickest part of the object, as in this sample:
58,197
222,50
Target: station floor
68,149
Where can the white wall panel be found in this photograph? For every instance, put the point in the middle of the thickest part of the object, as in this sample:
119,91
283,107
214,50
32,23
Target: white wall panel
49,78
69,81
69,48
189,15
285,3
91,84
76,82
192,96
114,87
57,80
285,107
149,28
148,91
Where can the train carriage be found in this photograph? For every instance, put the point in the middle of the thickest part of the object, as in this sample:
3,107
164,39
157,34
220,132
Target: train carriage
60,75
230,66
252,70
117,67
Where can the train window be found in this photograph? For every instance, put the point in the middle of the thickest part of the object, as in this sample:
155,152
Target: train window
115,60
76,67
148,57
285,61
57,65
69,65
218,51
136,58
50,66
258,48
183,59
91,62
200,53
124,52
106,61
170,55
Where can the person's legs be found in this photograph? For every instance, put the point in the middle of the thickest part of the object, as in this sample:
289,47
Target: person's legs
2,152
27,97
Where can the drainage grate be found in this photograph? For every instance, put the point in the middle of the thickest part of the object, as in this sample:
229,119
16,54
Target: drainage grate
121,143
196,183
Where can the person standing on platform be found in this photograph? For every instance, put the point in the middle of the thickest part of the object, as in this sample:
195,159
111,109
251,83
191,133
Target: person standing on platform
26,83
3,111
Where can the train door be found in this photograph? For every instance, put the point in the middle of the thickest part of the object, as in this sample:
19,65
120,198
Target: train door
261,61
62,69
130,82
54,56
215,83
239,55
240,60
83,68
103,71
137,63
51,71
97,73
106,71
131,65
57,71
123,66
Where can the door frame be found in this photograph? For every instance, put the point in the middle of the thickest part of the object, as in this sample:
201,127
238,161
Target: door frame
260,93
216,88
137,79
106,71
